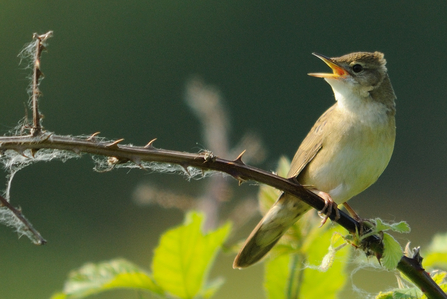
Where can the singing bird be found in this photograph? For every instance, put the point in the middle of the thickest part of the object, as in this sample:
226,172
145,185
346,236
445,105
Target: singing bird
344,153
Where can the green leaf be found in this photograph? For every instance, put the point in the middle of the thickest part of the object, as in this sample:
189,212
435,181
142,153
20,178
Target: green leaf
437,252
297,263
286,274
435,259
414,292
392,252
183,258
439,243
276,277
400,227
114,274
410,293
211,288
334,277
59,296
439,277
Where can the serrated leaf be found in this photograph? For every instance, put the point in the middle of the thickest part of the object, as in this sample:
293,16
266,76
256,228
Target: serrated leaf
387,295
283,272
400,227
184,256
392,252
439,277
335,276
410,293
115,274
277,271
380,225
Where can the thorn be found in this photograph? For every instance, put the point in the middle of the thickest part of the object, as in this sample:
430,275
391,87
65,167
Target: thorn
150,144
92,137
34,151
115,143
185,168
20,152
239,158
46,137
137,162
293,179
239,179
39,74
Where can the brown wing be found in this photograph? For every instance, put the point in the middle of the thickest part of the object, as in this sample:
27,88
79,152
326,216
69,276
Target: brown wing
310,146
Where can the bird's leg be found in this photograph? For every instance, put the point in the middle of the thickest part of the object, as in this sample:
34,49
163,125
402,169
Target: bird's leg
329,204
352,212
357,217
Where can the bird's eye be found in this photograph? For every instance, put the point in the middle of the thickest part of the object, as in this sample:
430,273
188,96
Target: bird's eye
357,68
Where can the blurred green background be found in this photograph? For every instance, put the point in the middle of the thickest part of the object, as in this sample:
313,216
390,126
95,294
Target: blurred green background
120,67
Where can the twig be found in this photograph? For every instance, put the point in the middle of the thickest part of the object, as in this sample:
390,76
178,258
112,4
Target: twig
39,240
37,74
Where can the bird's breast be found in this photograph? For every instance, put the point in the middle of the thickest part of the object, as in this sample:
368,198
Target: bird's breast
354,154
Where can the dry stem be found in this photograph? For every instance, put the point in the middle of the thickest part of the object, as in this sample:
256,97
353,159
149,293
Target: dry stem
18,213
37,74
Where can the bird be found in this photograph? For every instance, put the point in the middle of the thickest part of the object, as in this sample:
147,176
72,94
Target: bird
345,152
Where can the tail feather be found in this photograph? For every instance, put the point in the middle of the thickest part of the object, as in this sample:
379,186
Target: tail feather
281,216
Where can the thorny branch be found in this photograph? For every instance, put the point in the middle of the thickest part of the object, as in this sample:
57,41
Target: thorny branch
18,213
117,154
37,74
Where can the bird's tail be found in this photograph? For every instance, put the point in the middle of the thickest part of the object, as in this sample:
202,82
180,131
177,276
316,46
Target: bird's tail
281,216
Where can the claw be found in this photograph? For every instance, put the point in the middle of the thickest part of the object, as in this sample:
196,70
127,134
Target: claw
329,205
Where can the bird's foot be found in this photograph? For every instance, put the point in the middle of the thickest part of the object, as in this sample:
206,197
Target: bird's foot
352,212
329,206
365,224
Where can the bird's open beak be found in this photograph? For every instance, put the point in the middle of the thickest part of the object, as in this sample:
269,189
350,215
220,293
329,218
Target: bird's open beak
338,71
